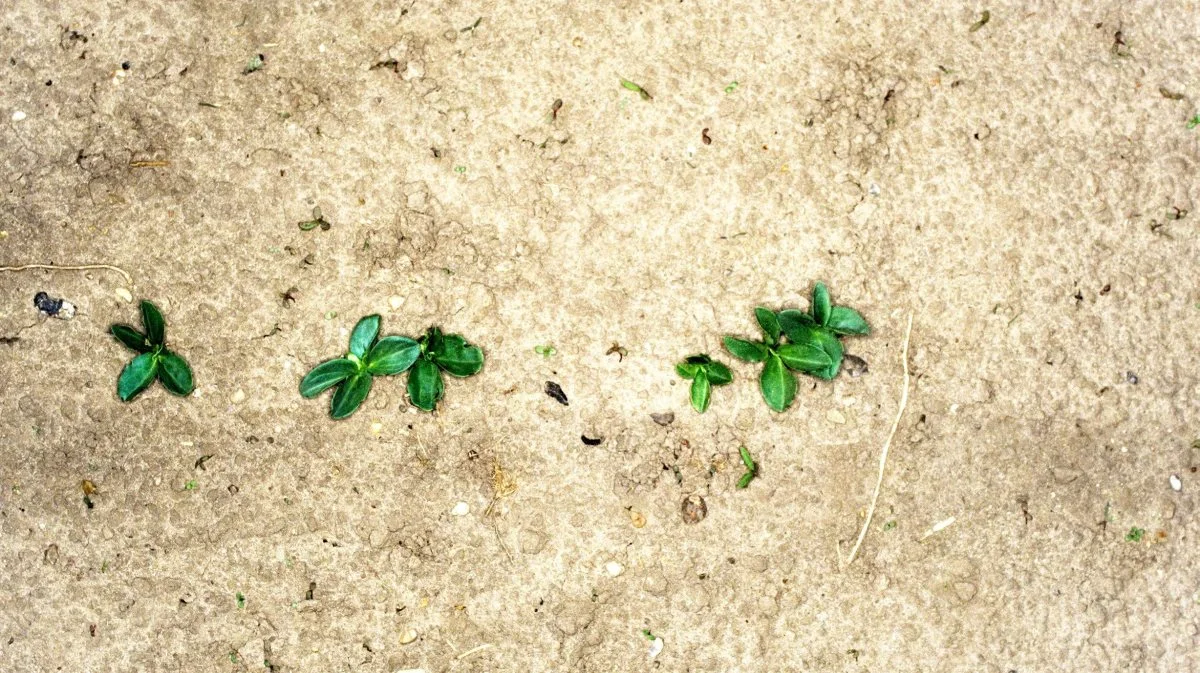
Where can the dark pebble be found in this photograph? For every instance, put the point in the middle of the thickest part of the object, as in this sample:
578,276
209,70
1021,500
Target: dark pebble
47,304
663,419
591,441
693,509
555,391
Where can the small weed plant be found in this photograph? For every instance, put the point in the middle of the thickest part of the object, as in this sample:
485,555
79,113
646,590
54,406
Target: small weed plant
153,359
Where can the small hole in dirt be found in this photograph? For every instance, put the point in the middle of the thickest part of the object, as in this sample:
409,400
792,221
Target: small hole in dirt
125,65
731,560
49,82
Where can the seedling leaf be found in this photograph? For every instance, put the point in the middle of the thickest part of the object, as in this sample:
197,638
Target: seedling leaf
806,357
458,357
701,392
136,376
828,342
769,323
130,338
392,355
778,383
793,319
425,386
175,374
687,370
364,334
350,395
845,320
326,375
749,351
152,320
718,374
820,304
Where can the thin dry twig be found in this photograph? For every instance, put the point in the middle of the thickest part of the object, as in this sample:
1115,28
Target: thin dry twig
887,445
78,267
473,650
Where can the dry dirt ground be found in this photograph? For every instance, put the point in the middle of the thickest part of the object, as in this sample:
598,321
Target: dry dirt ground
1027,189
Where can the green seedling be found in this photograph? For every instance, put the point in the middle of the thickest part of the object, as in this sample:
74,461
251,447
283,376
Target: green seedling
813,346
545,351
1135,534
634,87
352,375
1194,121
751,468
448,353
153,359
704,373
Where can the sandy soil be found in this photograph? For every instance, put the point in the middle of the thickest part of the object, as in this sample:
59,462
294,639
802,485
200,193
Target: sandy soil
1027,189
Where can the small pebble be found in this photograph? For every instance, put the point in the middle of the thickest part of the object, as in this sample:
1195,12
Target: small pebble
656,647
1131,378
835,416
854,365
18,116
376,428
408,636
461,509
614,569
693,509
637,518
123,294
555,391
396,301
663,419
1176,483
238,397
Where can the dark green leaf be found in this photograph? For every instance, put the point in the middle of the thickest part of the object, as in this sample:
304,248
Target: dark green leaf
828,342
747,460
701,392
794,319
843,320
718,374
820,304
392,355
131,338
698,359
156,327
425,385
174,373
769,323
778,384
458,357
750,351
349,395
326,375
364,335
432,341
807,357
687,370
137,376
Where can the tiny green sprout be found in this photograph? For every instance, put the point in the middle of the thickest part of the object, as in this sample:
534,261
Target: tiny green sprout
191,485
153,359
636,88
751,468
545,351
889,525
1194,121
369,356
731,87
255,64
317,220
704,373
241,600
460,169
1135,534
448,353
647,635
813,346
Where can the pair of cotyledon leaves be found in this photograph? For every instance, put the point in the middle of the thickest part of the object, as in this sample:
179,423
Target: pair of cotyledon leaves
812,347
153,359
425,359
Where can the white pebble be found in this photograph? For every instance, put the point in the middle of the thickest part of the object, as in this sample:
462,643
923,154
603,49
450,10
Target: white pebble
238,397
396,301
461,509
123,294
1176,483
376,428
615,569
656,647
18,116
408,636
835,416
